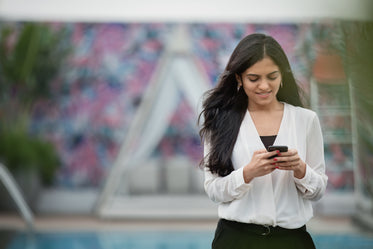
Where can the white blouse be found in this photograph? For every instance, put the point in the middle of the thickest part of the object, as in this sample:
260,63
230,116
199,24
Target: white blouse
277,199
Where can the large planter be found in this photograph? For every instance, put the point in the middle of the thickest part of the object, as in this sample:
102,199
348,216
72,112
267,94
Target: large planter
29,185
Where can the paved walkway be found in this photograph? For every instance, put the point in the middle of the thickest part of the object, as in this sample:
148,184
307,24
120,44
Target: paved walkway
318,225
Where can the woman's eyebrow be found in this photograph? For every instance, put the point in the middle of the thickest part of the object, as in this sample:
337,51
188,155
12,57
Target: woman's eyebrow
273,72
257,75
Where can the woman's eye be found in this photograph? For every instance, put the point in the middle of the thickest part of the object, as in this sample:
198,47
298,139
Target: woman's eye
273,76
253,79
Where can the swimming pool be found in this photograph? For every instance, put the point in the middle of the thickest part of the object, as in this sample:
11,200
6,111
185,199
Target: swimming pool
155,240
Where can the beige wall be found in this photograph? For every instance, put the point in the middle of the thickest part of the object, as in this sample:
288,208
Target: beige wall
185,11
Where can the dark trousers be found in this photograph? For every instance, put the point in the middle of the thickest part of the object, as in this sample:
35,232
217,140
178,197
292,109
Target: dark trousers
236,235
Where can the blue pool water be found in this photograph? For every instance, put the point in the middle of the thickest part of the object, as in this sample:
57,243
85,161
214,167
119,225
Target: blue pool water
156,240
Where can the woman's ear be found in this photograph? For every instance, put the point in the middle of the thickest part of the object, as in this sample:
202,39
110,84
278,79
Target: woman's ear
238,78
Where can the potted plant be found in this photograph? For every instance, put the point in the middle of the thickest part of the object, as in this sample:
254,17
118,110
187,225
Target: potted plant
31,160
356,48
31,56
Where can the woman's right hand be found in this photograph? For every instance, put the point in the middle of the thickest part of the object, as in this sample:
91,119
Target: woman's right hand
259,165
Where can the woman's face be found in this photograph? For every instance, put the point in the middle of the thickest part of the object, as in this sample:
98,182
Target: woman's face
261,83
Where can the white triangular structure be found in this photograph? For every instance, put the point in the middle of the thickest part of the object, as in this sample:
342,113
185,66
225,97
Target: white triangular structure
177,72
11,185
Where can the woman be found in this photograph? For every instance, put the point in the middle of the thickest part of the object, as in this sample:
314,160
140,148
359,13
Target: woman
264,197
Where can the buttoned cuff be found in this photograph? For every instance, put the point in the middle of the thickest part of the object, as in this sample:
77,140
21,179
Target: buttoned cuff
240,181
304,183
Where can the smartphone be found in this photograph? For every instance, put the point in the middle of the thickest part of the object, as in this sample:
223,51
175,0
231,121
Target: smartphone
281,148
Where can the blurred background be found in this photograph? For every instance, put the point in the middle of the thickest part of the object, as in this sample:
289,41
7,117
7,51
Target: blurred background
99,103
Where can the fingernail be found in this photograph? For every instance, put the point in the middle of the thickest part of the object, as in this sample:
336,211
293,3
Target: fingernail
275,159
273,164
276,167
279,154
277,151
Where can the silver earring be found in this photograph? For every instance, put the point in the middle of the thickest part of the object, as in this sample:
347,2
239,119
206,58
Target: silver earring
238,88
281,84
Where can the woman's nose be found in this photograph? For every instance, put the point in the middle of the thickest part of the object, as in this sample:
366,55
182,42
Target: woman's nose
263,84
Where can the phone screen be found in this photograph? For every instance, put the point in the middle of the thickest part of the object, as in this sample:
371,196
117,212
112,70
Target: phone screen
281,148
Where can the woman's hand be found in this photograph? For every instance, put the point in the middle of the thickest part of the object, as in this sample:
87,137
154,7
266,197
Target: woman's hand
259,165
291,161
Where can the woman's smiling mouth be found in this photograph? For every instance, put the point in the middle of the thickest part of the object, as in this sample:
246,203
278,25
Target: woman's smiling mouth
264,94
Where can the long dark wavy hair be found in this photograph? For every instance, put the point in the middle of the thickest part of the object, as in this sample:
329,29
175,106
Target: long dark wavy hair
224,106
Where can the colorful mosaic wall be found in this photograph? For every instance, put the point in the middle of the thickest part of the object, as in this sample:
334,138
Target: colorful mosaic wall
98,90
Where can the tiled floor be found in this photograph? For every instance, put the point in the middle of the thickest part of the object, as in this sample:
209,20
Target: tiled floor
319,224
73,222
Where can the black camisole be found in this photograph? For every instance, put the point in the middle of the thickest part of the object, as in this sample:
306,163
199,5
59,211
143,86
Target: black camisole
268,140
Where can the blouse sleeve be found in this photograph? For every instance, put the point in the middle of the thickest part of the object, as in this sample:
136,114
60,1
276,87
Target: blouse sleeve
312,186
227,188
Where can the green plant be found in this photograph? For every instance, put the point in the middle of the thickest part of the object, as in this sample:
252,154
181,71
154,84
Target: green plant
22,152
29,63
31,57
357,51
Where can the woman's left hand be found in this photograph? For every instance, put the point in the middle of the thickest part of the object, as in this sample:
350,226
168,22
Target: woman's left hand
291,161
